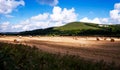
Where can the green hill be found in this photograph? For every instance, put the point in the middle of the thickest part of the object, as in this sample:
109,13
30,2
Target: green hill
77,29
77,26
70,29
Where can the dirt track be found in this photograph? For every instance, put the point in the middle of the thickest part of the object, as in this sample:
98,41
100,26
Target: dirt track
87,48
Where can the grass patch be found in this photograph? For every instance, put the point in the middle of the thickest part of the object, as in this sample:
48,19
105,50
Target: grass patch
21,57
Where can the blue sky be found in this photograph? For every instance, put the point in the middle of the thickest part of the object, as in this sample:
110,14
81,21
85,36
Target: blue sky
21,15
84,7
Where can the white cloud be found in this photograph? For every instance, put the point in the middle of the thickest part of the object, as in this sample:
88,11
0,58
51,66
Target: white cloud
4,26
117,6
40,17
48,2
63,16
85,19
115,14
58,17
7,6
29,25
105,20
95,20
113,19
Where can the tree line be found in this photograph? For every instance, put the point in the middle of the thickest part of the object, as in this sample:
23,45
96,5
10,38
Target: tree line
111,30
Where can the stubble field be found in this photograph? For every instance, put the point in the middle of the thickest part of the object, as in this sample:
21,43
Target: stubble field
85,47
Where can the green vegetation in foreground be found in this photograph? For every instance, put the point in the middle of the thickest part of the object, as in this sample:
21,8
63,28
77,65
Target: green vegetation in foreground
78,26
21,57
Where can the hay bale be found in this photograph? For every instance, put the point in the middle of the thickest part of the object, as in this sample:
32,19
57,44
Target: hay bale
20,37
112,40
17,40
30,36
97,39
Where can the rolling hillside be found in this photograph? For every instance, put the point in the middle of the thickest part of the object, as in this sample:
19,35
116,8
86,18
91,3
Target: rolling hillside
76,29
77,26
73,28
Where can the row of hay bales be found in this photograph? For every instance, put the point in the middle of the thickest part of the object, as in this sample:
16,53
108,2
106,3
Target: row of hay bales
18,40
97,38
111,39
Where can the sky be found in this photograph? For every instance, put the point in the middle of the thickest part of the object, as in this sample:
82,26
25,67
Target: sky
24,15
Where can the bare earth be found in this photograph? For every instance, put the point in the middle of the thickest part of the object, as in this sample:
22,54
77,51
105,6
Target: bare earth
86,47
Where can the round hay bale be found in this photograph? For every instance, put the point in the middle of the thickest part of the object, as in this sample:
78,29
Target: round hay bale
17,40
20,37
112,40
97,39
30,36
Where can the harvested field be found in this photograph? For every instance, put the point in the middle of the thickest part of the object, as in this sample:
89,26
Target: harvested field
86,47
